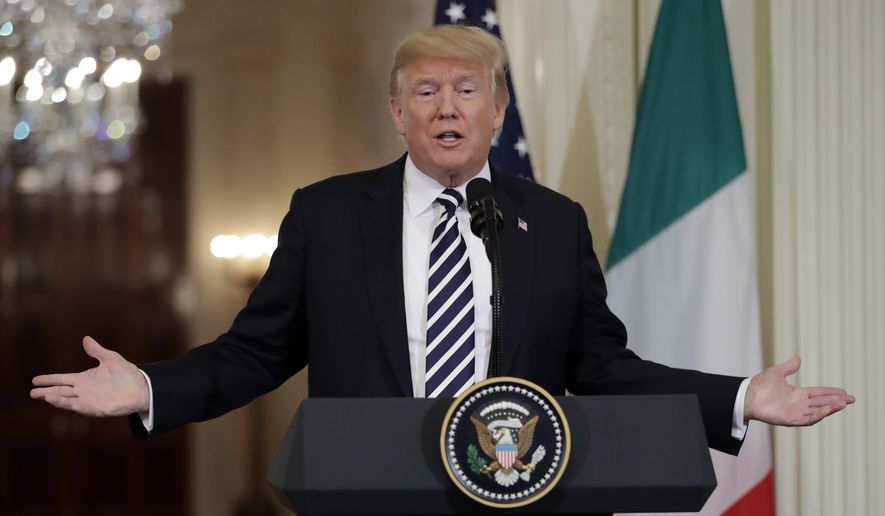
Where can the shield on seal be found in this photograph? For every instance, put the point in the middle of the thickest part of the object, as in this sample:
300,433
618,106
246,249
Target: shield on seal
506,454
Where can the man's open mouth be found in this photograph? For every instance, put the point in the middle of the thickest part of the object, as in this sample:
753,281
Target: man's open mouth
449,136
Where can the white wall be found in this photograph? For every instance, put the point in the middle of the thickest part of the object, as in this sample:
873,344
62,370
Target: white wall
828,177
574,67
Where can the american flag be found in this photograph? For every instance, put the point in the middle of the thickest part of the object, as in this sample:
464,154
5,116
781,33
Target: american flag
509,151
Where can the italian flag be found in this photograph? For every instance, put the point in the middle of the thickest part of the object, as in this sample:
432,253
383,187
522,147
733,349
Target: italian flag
682,263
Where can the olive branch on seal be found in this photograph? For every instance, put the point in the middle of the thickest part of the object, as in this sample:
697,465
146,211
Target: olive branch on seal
475,460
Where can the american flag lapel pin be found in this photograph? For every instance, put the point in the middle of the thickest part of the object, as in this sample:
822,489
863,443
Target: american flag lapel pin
521,224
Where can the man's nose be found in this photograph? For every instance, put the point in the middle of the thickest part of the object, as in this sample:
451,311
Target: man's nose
447,107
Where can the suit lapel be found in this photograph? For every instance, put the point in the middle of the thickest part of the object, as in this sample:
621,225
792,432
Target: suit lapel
382,234
517,251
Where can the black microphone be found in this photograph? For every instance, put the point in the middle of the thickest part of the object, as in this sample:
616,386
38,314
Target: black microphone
486,222
482,207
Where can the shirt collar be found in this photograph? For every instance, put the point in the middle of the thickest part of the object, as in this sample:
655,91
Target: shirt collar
420,190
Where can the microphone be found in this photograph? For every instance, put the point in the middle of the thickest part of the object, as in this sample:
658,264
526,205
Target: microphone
483,209
486,222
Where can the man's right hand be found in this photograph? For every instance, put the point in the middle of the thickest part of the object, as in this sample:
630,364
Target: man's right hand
113,388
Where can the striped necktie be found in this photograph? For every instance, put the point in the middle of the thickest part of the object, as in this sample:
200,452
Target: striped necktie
450,354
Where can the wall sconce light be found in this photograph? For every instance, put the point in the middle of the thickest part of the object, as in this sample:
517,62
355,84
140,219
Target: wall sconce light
245,258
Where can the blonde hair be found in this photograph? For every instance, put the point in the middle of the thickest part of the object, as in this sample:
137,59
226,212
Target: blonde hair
453,41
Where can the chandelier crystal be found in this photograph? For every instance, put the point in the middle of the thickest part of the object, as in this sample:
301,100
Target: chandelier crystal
69,73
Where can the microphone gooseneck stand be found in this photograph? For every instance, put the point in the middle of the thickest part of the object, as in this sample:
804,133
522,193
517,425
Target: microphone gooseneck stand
493,249
486,222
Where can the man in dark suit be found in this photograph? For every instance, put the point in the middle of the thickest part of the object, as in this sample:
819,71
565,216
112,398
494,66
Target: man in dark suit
379,285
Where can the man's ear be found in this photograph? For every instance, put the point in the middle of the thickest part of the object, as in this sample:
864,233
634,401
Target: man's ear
396,111
500,110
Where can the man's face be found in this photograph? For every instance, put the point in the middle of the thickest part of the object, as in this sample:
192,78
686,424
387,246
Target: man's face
447,114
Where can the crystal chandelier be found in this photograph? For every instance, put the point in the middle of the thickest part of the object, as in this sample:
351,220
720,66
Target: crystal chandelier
69,72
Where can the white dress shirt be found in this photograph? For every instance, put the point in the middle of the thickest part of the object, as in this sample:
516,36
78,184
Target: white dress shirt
420,213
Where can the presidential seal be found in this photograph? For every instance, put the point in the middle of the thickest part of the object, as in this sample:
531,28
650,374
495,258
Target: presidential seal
505,442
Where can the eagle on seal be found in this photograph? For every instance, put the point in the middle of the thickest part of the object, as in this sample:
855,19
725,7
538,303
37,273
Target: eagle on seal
497,441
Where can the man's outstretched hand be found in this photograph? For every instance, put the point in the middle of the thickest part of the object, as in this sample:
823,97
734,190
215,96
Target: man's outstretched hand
115,387
772,400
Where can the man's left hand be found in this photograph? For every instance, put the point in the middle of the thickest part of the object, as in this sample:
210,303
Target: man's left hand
771,399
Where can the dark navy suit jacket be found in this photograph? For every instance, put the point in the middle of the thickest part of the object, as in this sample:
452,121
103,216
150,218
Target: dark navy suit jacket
333,298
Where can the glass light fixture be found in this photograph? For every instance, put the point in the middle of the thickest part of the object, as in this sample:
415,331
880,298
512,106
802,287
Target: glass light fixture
69,73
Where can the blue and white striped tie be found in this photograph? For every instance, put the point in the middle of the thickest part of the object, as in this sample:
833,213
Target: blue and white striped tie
450,353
